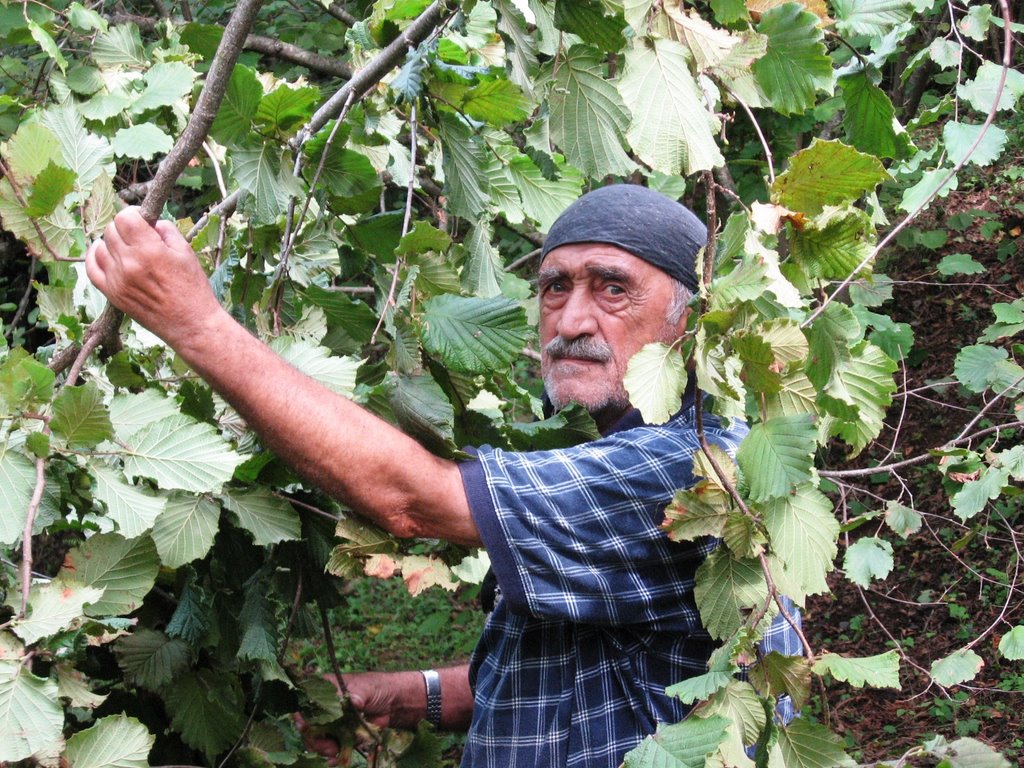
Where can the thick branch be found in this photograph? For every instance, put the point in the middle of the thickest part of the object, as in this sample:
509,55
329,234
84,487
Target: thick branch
103,330
342,15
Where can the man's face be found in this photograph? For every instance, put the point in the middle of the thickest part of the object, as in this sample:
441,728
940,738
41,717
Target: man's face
598,306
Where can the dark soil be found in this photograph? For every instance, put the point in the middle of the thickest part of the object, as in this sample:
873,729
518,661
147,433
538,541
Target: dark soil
950,581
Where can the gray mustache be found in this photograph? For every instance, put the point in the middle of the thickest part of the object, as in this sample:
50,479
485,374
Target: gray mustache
580,348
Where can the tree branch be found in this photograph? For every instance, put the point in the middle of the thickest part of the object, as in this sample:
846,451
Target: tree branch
103,331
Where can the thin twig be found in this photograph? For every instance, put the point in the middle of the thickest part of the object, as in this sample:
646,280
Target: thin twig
23,304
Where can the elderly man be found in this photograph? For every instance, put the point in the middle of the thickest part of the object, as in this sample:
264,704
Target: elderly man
595,613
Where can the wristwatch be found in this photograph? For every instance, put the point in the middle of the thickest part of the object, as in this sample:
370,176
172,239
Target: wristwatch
433,683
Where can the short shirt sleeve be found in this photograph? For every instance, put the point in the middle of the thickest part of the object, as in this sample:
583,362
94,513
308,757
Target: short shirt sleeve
575,533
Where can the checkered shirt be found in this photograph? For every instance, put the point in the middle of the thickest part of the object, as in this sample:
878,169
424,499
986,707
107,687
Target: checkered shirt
596,614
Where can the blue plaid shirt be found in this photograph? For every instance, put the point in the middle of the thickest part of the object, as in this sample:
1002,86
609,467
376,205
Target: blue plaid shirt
596,615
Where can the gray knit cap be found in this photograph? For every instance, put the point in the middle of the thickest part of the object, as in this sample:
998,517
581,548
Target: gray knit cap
646,223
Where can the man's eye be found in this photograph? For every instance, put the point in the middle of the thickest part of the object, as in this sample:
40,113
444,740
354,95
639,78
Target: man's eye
615,290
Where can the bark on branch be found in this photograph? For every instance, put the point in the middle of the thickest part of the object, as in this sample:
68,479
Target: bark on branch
103,330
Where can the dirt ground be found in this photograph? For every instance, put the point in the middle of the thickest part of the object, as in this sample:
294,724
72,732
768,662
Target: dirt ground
948,586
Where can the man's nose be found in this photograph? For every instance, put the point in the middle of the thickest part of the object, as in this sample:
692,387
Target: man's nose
578,316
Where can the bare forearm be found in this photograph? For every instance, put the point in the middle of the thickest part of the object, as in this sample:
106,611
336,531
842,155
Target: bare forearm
374,468
399,699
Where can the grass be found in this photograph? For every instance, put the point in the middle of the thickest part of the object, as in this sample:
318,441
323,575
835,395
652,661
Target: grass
383,628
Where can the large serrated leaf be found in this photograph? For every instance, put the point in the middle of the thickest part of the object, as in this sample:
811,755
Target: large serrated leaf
116,741
31,717
796,65
869,116
17,481
588,117
125,568
207,709
474,335
803,531
864,381
133,508
777,456
80,416
181,453
879,671
959,667
833,244
166,84
655,379
238,107
269,183
119,46
267,517
185,530
808,745
151,659
738,701
143,142
672,129
871,17
85,153
726,589
52,607
335,373
463,161
131,412
866,559
543,199
827,173
683,745
777,674
697,512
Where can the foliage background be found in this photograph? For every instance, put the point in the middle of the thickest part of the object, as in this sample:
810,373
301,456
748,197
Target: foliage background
368,194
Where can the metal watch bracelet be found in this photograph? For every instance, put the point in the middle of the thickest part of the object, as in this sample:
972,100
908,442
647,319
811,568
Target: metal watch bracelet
433,683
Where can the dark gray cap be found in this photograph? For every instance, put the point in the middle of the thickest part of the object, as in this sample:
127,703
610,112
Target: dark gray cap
646,223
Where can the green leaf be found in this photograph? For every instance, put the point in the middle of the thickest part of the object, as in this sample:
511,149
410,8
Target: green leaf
166,84
30,151
181,453
671,129
959,264
257,623
81,417
24,381
976,366
143,141
151,659
1011,645
866,559
965,753
864,381
284,110
268,518
804,744
52,607
959,667
932,184
463,162
834,243
421,408
497,102
31,717
699,687
981,92
336,373
192,618
473,335
902,520
17,482
85,153
803,532
777,456
238,108
480,275
759,369
960,138
726,589
589,20
543,199
48,45
116,741
270,185
186,528
131,412
871,17
869,117
119,46
84,19
777,674
738,702
1009,321
697,512
655,379
51,186
125,568
796,65
881,671
744,283
207,708
133,508
974,496
683,745
826,173
588,117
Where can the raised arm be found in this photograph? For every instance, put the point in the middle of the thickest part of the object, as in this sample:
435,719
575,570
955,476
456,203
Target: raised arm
152,274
